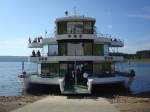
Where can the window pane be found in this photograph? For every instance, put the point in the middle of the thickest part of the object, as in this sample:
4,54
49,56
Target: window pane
62,49
54,68
75,49
63,69
62,27
87,48
106,67
98,49
45,68
75,27
97,68
88,67
53,50
45,50
102,68
106,50
50,68
87,27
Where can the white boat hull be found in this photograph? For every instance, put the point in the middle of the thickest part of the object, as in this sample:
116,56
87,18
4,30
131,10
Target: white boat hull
35,79
91,82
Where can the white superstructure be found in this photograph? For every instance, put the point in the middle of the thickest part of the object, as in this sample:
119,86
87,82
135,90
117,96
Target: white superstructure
74,50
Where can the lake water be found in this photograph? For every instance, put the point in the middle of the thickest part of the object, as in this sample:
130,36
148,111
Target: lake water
11,85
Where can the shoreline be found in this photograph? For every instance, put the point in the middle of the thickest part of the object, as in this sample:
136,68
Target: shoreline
9,103
124,103
138,60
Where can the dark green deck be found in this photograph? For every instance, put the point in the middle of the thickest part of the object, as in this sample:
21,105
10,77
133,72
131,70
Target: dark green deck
76,89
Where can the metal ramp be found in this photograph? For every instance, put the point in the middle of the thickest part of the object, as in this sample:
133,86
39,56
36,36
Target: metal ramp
76,89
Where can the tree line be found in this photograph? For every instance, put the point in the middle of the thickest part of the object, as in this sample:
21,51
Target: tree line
143,54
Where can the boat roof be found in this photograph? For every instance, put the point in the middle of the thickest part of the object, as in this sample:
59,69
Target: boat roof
75,18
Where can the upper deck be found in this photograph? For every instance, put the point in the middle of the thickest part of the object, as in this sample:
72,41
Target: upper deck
96,40
74,18
75,28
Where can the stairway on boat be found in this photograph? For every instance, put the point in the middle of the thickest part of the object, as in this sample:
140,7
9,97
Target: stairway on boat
69,87
75,89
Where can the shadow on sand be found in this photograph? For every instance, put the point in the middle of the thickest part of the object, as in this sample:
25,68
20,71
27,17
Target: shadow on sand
107,91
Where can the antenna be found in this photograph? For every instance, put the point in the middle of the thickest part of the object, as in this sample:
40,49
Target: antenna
45,33
75,11
22,66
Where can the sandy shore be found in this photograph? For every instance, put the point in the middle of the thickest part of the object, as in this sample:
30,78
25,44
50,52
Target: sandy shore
132,103
124,103
13,102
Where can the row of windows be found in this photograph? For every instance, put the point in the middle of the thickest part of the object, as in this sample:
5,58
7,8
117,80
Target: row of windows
85,27
72,49
99,68
64,68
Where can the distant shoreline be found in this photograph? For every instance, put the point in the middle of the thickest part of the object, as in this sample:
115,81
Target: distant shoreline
139,60
13,58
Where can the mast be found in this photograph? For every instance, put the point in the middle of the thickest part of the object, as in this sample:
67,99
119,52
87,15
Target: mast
75,64
22,66
75,11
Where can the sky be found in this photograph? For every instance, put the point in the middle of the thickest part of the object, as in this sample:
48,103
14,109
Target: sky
128,20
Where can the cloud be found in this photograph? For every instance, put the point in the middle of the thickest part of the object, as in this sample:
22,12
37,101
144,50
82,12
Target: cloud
143,13
142,16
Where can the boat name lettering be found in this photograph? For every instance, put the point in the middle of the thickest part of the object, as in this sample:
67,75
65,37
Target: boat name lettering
42,58
108,58
75,36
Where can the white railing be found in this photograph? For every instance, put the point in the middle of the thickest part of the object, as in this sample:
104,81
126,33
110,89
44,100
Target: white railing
100,35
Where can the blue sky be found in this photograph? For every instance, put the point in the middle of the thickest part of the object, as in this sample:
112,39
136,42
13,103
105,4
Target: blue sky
127,19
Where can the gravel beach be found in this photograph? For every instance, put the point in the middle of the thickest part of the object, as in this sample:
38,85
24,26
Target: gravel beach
124,103
9,103
132,103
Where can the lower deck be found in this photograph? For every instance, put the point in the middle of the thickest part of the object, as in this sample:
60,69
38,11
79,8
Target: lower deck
77,77
79,88
76,89
74,71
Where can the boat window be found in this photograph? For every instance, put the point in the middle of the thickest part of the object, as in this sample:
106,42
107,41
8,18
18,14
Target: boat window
88,67
50,69
106,50
53,50
45,50
87,48
62,49
98,49
62,27
97,68
63,70
88,27
102,68
54,68
75,49
45,68
106,67
75,27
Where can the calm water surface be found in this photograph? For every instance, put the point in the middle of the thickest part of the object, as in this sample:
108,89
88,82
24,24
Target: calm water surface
141,82
11,85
